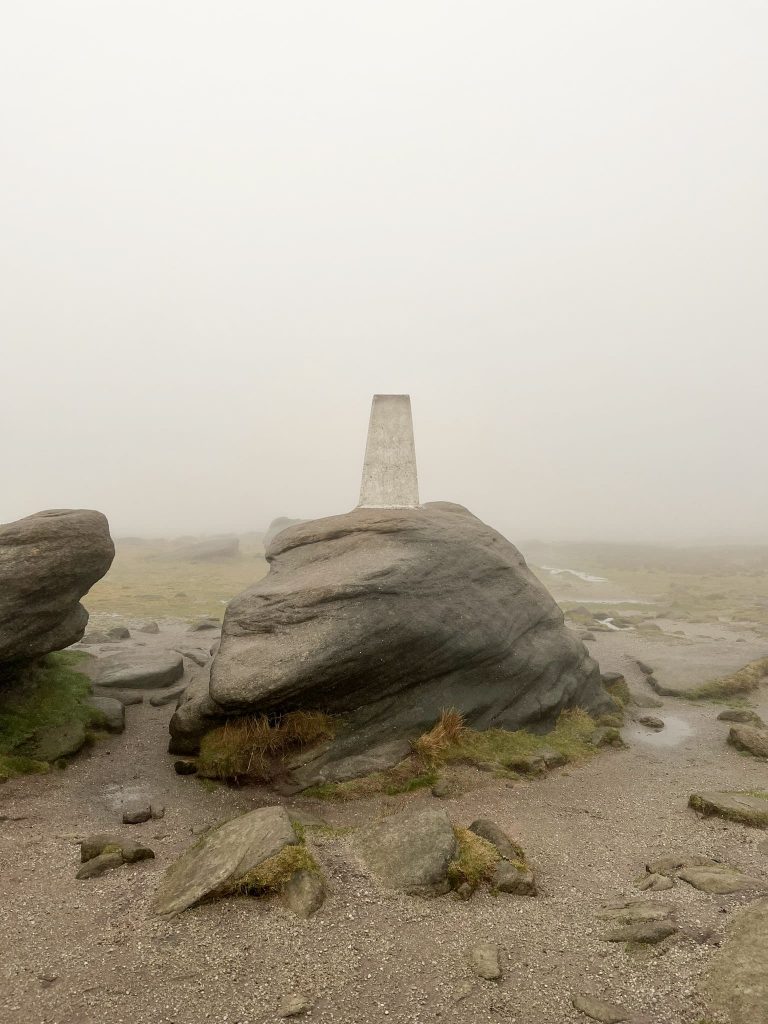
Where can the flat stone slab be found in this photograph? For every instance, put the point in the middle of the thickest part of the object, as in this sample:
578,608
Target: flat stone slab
721,879
741,807
139,671
750,739
411,851
111,710
737,982
224,855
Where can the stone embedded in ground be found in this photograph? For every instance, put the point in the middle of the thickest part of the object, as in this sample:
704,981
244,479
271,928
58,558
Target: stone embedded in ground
294,1005
199,657
119,633
411,851
642,931
96,866
222,856
484,957
670,863
645,669
512,877
736,984
208,622
742,715
149,627
651,721
496,836
526,764
157,700
50,560
185,767
742,807
304,892
748,738
551,758
104,842
606,736
111,712
357,618
600,1010
720,879
636,911
139,670
653,882
136,811
57,741
441,788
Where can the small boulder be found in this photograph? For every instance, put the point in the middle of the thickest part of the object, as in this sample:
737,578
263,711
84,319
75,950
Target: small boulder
136,811
98,865
526,764
653,883
552,758
496,836
669,864
636,911
721,879
118,633
294,1005
207,622
606,736
484,958
741,807
514,877
103,842
743,715
651,722
411,851
140,671
149,627
748,738
600,1010
304,892
642,931
111,712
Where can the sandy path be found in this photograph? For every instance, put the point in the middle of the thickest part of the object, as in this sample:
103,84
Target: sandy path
368,954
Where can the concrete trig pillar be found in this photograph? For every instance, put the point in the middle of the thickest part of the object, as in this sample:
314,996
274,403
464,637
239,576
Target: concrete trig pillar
389,470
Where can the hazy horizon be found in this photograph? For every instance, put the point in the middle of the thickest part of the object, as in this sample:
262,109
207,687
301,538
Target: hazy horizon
226,228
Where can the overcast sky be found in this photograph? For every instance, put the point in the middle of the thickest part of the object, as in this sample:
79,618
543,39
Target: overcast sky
226,225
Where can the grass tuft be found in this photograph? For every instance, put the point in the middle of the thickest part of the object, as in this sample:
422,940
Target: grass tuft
247,748
736,685
476,862
405,777
447,731
271,875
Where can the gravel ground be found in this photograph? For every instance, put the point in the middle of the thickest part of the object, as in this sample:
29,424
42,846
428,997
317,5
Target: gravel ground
81,952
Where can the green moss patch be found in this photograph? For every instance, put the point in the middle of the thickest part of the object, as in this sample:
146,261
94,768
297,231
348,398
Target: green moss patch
730,688
476,861
272,875
48,697
406,777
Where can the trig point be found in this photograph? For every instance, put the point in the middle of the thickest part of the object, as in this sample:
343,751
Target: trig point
389,470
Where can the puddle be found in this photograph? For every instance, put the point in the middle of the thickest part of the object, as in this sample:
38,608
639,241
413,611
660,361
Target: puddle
675,732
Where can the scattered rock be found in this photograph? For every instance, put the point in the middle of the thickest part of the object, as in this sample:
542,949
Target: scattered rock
484,958
136,811
107,842
513,877
185,767
750,739
645,669
111,712
651,721
671,863
743,715
140,671
200,658
606,736
125,697
526,764
741,807
149,627
208,622
636,911
642,931
304,892
157,700
441,788
496,836
599,1009
222,856
553,758
411,851
94,637
294,1005
737,982
720,879
653,882
96,866
119,633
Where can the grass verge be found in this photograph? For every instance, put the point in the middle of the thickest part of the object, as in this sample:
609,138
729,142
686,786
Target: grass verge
732,687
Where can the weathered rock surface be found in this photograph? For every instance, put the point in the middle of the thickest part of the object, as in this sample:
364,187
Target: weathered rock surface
514,878
654,883
97,865
48,561
634,911
720,879
670,863
743,715
304,893
411,851
651,721
357,618
294,1005
642,931
737,982
484,958
147,670
111,712
149,627
222,856
600,1010
157,700
749,810
496,836
748,738
52,742
104,842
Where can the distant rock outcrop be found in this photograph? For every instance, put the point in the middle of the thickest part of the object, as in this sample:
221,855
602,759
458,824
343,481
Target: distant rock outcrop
383,617
48,561
212,549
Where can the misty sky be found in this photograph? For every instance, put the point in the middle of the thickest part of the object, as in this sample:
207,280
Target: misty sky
226,225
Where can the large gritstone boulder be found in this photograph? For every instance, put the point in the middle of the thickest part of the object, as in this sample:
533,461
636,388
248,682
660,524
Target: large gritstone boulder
383,617
48,561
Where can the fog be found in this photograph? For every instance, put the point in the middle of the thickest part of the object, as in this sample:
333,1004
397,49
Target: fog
225,226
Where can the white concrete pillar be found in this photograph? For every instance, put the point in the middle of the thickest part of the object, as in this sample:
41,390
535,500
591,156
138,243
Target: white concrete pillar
389,470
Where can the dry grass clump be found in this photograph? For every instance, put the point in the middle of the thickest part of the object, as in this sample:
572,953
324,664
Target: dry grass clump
272,875
620,691
736,685
476,862
445,733
248,747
